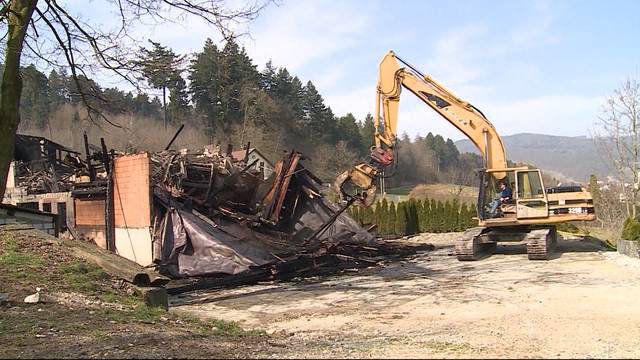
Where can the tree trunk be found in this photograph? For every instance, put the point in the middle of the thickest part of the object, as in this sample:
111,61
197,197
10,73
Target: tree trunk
20,12
164,106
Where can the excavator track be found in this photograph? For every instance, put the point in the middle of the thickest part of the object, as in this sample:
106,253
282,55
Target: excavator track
471,246
541,243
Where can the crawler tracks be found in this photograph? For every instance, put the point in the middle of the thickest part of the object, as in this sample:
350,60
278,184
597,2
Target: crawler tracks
471,246
479,242
541,243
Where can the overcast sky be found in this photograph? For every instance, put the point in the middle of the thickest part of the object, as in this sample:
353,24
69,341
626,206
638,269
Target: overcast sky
530,66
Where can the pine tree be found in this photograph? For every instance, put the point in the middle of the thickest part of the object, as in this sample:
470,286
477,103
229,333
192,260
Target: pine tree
366,134
204,86
178,108
236,72
370,216
58,90
161,67
448,218
424,216
318,119
348,131
421,216
267,78
464,213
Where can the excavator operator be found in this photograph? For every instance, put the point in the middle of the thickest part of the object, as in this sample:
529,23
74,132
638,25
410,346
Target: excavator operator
506,194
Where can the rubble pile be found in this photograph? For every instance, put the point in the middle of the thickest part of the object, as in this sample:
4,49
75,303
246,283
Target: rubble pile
215,220
217,217
43,166
206,179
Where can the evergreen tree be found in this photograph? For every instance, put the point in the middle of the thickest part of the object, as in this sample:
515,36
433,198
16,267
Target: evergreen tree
349,131
457,221
384,213
58,90
401,220
378,216
366,134
424,215
268,78
34,103
440,217
411,209
161,67
318,119
204,86
178,108
236,72
594,189
392,218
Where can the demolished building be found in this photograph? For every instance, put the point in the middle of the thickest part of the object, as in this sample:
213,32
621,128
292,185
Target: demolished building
206,213
197,213
41,177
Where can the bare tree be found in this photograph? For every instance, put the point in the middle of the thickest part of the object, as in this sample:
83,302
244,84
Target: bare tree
618,133
46,30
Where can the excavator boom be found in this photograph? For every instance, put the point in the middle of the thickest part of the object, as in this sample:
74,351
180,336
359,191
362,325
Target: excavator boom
392,78
468,119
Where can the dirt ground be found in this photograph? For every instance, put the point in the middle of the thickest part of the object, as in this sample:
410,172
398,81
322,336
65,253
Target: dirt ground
86,314
584,303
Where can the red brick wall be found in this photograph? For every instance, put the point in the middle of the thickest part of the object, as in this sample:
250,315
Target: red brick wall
132,190
89,212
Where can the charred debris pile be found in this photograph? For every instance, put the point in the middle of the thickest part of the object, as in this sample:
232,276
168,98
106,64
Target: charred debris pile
218,221
44,166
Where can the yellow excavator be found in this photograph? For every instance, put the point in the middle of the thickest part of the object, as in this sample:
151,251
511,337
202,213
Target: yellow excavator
529,216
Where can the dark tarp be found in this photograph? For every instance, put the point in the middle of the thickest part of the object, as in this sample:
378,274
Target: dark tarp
194,245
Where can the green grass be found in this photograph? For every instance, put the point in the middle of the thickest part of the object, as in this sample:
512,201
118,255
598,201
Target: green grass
19,265
402,190
143,312
81,276
11,257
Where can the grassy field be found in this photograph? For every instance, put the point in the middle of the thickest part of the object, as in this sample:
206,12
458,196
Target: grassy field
442,192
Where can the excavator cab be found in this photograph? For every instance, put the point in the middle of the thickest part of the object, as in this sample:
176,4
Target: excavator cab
529,195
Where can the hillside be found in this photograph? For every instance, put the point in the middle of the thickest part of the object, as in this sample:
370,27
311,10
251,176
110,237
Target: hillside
575,157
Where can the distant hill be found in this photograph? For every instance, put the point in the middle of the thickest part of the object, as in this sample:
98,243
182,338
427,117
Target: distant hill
574,157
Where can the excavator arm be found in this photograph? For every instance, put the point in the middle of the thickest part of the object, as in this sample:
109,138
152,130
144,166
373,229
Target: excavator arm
392,77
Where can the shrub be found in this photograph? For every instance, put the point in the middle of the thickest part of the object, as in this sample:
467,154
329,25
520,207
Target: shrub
401,220
383,227
631,229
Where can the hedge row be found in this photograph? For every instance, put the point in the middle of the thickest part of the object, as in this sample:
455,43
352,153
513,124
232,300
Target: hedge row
416,216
